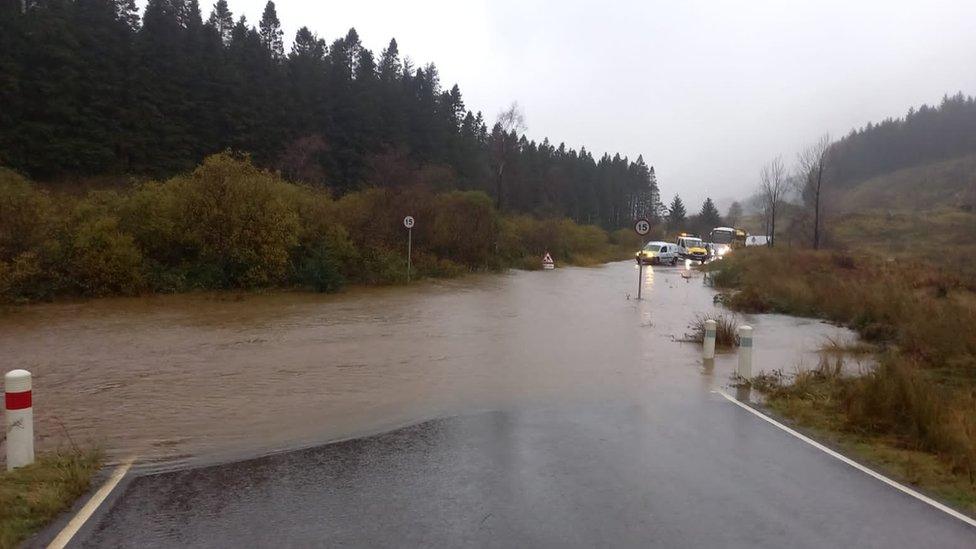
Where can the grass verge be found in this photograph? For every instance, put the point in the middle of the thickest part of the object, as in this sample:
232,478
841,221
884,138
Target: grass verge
914,415
816,401
32,496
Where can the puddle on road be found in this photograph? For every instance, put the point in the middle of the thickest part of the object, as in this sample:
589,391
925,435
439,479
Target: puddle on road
190,379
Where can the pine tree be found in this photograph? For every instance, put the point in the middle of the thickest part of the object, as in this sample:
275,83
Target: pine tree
708,217
86,89
676,213
271,33
307,45
222,20
389,67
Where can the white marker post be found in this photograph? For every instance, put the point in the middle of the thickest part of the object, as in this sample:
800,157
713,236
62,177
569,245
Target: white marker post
641,227
745,352
19,414
708,348
408,222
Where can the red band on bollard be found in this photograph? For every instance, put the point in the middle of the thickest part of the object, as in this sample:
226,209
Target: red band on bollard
18,401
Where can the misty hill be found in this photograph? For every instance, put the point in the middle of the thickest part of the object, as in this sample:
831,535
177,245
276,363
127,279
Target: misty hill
90,88
940,184
923,137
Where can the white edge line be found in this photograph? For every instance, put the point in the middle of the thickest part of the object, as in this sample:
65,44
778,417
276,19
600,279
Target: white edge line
90,507
921,497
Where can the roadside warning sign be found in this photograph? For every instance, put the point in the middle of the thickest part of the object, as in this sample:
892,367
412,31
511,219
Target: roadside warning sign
547,262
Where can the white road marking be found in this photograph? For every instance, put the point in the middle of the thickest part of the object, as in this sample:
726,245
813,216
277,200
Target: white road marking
921,497
88,510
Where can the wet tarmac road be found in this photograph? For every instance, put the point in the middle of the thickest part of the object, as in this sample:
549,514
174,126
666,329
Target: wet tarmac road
703,473
570,417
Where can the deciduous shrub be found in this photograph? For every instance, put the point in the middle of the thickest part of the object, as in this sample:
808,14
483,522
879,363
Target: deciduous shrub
228,224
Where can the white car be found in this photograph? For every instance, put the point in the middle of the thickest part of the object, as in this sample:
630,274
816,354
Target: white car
658,253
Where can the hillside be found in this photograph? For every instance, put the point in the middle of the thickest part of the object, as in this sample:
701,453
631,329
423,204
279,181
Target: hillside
949,183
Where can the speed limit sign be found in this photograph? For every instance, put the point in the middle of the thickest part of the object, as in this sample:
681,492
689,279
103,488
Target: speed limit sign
642,227
408,222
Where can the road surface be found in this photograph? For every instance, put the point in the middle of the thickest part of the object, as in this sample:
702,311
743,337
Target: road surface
564,416
703,473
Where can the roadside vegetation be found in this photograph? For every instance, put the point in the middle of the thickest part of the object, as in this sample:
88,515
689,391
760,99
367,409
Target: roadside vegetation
32,496
230,225
915,412
726,330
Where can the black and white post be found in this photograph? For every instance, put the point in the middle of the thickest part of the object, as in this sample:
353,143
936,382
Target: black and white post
641,227
408,222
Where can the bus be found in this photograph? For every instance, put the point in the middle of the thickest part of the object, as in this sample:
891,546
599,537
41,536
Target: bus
725,239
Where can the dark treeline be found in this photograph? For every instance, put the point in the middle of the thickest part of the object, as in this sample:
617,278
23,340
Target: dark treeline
90,88
926,135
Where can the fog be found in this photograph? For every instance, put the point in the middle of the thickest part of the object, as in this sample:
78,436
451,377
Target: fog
706,90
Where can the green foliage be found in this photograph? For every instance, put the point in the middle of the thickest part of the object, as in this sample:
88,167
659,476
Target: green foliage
86,91
319,270
235,219
32,496
676,213
229,224
101,259
708,217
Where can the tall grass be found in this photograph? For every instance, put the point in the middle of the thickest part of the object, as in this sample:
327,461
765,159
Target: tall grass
726,330
923,392
229,224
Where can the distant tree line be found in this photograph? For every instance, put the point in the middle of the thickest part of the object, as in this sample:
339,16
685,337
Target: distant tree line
90,88
926,135
702,223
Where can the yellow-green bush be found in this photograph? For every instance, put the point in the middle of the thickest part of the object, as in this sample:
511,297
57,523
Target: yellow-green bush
229,224
102,259
25,216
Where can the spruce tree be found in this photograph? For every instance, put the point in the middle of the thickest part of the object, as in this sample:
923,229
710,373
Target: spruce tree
676,213
708,217
389,66
222,20
271,33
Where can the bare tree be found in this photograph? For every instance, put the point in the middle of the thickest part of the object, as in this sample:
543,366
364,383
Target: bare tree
772,187
509,124
734,215
812,163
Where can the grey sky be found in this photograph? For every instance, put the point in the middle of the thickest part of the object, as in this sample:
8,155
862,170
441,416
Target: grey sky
706,90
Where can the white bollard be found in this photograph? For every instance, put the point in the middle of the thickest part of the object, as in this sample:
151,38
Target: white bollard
708,347
745,352
19,414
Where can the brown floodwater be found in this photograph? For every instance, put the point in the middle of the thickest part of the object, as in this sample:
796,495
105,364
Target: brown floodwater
191,379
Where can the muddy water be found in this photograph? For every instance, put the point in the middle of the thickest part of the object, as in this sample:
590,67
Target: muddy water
179,380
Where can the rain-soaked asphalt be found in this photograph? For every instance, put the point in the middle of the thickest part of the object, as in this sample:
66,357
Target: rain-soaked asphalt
565,414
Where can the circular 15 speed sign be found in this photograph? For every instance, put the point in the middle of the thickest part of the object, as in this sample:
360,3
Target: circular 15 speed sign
408,222
642,227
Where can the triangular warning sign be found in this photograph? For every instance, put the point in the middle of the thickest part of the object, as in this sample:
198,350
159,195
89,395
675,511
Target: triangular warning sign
547,259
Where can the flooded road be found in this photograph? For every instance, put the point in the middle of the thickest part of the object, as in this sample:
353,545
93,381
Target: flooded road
186,380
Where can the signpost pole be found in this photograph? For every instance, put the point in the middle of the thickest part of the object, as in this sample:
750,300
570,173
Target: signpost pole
409,222
641,227
640,279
